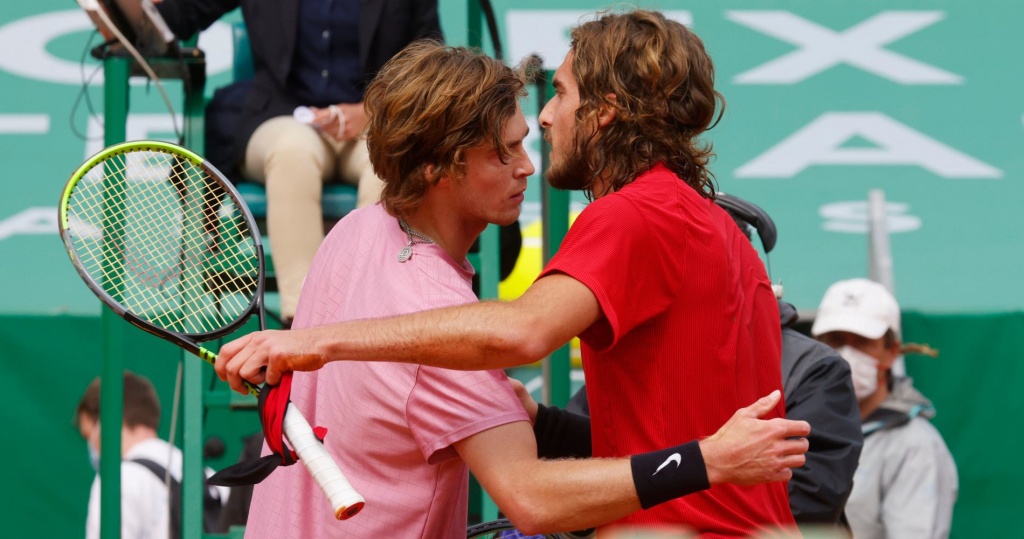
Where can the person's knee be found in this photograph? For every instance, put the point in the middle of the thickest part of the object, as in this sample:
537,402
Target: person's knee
298,149
295,148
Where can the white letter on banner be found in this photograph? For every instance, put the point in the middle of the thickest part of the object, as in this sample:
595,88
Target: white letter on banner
545,32
37,220
819,143
852,217
31,35
822,48
24,124
139,126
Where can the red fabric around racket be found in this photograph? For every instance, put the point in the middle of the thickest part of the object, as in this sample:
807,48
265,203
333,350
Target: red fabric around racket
273,404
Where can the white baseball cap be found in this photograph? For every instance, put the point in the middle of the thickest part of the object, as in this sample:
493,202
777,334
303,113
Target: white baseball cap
858,306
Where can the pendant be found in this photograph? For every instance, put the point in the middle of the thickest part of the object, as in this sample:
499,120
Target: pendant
405,253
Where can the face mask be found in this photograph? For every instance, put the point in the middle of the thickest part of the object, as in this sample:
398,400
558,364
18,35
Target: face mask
863,368
94,458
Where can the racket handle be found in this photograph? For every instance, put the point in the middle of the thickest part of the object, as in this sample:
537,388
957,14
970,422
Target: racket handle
344,499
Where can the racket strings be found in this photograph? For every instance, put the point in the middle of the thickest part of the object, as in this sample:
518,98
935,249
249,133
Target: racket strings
138,259
163,239
198,245
195,248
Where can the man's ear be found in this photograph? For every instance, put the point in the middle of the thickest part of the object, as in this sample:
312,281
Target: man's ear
606,114
437,177
429,173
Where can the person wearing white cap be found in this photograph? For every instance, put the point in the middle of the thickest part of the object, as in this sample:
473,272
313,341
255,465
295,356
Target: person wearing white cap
906,483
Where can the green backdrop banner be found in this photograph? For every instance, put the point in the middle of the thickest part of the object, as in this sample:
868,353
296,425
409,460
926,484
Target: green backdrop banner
825,101
975,385
48,361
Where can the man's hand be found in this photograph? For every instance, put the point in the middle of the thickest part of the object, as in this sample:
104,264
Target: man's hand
529,404
264,356
748,450
342,122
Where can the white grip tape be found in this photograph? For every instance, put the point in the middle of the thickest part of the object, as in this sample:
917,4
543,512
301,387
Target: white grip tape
344,499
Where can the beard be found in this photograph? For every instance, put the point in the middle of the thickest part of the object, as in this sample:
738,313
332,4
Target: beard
570,172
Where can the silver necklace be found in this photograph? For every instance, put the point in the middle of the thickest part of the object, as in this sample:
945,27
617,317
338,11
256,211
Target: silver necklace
414,238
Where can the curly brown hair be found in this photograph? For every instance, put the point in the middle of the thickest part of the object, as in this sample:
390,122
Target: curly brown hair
427,106
656,75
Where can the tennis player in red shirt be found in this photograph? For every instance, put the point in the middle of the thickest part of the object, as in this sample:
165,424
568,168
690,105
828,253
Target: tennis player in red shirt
677,318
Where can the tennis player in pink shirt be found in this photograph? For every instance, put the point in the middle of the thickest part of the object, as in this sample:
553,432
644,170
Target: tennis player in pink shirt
446,136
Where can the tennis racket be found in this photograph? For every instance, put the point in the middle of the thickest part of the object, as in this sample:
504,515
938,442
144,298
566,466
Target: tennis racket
162,238
504,529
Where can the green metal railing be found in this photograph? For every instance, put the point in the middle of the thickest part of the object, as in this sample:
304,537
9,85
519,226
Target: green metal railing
117,70
555,221
555,224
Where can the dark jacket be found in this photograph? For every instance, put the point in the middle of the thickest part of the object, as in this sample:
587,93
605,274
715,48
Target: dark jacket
818,389
385,27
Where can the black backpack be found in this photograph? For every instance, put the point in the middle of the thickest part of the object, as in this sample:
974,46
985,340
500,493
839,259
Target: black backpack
211,503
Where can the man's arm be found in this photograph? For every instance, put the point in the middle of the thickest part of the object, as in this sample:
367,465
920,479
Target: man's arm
476,336
427,20
547,496
824,398
559,433
188,17
92,519
542,496
920,486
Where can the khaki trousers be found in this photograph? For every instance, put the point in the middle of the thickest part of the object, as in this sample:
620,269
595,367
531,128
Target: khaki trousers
294,160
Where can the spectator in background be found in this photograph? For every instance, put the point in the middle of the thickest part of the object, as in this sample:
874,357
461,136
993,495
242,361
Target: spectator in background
320,54
906,483
145,501
818,389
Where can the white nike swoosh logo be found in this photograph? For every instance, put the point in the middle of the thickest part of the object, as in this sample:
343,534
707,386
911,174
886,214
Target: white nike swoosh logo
674,457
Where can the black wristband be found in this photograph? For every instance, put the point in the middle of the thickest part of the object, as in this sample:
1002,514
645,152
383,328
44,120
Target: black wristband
667,474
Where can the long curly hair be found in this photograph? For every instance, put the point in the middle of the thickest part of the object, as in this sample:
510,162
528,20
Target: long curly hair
657,76
427,106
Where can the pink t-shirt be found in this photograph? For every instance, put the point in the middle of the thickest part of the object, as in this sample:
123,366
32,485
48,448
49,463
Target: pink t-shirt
391,425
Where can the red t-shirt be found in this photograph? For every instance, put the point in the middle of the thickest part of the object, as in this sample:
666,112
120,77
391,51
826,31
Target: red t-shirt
689,334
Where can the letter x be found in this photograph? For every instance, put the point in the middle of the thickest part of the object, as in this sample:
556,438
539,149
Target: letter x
860,46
